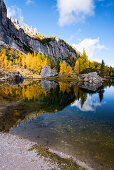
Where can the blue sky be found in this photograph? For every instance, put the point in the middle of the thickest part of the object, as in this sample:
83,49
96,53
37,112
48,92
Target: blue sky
85,24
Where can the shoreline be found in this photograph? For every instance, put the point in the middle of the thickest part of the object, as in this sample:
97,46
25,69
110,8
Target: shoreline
16,153
28,76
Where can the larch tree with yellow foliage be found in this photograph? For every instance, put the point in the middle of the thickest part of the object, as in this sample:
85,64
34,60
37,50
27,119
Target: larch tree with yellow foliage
63,68
81,63
69,70
77,66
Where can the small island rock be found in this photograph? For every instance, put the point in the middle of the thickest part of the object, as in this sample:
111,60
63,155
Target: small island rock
91,81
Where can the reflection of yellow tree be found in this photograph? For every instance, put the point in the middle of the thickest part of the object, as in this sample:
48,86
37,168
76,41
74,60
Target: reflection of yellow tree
76,91
30,92
64,87
80,95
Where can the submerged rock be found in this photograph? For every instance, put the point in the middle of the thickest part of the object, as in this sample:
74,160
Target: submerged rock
48,72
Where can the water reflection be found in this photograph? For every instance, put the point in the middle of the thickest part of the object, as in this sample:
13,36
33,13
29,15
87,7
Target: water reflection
28,100
62,116
101,92
89,104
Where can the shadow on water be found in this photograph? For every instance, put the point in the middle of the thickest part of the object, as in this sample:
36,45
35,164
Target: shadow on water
62,116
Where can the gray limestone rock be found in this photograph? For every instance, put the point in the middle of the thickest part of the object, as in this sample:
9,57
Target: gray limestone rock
90,77
48,72
91,81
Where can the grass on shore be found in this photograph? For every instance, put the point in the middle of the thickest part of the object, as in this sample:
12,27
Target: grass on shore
30,75
63,163
63,78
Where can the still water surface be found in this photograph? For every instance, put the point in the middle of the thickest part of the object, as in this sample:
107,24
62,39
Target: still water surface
63,117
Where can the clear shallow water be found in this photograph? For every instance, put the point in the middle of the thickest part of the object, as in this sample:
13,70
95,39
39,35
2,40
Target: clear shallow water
63,117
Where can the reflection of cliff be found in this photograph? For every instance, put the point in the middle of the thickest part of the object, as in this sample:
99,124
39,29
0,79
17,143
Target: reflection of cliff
31,100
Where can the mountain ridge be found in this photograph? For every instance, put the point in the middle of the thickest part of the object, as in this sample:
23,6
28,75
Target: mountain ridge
18,39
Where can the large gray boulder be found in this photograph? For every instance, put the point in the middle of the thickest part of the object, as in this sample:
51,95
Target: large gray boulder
48,72
91,81
92,77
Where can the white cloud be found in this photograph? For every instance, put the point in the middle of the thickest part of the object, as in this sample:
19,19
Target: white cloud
29,2
89,104
90,46
73,11
15,12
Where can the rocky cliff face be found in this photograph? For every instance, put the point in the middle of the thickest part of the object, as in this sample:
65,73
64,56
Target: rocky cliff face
17,39
3,21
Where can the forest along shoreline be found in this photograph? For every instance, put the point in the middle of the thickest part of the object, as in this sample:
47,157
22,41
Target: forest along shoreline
90,81
16,66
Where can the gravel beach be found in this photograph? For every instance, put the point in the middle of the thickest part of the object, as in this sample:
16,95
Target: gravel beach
14,155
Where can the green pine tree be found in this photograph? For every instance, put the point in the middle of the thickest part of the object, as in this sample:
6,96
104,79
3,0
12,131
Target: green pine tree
57,64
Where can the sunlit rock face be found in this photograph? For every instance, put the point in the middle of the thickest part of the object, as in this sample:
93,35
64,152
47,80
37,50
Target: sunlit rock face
17,39
48,72
29,30
15,21
25,27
